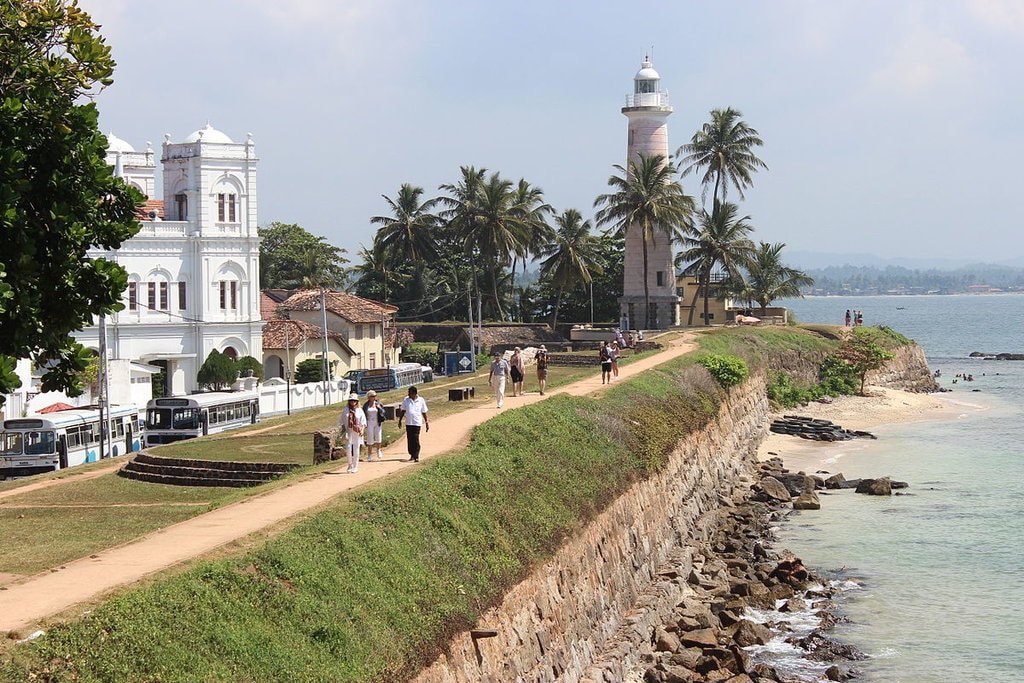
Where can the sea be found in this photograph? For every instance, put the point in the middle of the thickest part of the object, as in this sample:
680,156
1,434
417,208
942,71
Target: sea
931,581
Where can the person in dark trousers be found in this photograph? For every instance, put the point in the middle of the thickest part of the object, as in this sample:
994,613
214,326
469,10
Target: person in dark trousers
414,412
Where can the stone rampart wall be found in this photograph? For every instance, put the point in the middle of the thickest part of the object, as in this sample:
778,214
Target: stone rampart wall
587,615
554,625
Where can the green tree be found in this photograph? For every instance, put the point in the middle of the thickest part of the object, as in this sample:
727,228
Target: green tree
58,198
218,372
862,353
248,364
768,278
718,239
291,257
462,217
406,236
646,196
502,230
572,257
309,370
528,203
724,149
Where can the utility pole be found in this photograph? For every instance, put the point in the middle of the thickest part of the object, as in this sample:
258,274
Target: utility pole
104,391
327,362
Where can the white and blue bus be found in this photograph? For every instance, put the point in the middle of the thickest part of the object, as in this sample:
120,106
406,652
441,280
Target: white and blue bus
389,378
46,442
174,418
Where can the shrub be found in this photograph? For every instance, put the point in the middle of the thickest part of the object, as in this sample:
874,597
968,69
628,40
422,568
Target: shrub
727,370
247,365
218,372
784,392
309,370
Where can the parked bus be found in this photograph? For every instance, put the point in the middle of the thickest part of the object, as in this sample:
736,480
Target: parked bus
385,379
174,418
52,441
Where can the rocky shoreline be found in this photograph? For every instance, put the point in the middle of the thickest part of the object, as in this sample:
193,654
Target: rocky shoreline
742,593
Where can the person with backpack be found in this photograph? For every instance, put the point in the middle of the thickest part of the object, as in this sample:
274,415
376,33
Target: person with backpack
606,362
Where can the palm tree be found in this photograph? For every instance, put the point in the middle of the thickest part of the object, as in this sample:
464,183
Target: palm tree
646,195
528,203
723,148
462,215
769,279
572,257
719,239
406,236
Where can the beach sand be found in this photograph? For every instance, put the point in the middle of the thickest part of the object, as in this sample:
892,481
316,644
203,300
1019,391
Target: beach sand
862,413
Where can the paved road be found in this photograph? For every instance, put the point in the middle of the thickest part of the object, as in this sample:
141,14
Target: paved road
25,603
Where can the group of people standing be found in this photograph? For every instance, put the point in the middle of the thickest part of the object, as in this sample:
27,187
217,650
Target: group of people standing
364,424
609,357
514,369
854,318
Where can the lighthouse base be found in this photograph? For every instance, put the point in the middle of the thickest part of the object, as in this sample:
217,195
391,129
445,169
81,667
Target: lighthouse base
662,312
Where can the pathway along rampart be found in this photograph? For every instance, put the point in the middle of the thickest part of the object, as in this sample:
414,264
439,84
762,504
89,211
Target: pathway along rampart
588,615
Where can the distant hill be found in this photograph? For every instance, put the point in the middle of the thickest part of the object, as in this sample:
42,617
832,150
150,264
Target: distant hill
805,260
893,279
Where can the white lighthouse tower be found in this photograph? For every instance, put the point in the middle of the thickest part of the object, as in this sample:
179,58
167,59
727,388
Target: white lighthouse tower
647,109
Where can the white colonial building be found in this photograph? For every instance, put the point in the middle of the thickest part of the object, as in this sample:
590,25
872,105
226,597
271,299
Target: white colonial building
193,268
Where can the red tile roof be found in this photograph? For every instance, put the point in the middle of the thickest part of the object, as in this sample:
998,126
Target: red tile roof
349,306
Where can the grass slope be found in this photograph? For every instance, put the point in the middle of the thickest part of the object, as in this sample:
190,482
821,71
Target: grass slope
371,589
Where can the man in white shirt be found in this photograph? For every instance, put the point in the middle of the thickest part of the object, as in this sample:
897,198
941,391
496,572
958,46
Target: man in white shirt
499,372
414,412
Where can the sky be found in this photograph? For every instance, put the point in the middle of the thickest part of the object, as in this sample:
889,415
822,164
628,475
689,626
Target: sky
891,127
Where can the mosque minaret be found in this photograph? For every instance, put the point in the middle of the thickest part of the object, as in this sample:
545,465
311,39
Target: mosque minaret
647,109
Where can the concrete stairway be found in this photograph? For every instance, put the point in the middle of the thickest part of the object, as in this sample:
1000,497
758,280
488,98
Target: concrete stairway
181,472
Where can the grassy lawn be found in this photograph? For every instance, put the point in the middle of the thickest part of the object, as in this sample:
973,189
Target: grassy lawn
78,518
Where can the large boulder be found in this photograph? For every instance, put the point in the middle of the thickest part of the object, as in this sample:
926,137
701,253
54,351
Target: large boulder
750,633
875,487
808,500
775,489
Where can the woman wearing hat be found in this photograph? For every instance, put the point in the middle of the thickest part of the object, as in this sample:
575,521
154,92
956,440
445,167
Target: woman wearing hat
353,421
374,411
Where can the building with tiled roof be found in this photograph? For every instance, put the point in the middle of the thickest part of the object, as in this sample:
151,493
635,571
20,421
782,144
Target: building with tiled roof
360,331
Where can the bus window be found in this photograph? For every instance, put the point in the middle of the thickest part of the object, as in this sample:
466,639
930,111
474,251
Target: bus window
40,443
158,418
11,443
185,418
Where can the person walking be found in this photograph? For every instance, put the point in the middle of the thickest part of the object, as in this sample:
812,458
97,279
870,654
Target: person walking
517,369
414,412
849,318
353,421
615,353
542,367
375,416
500,372
605,355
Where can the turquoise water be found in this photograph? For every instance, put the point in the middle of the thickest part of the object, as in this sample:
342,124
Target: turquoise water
938,590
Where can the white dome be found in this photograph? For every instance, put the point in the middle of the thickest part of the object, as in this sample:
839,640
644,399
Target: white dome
208,134
646,72
116,144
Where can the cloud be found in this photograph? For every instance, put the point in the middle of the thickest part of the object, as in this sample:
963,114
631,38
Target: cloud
1002,15
920,63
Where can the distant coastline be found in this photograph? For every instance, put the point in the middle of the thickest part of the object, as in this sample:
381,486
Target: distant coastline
905,295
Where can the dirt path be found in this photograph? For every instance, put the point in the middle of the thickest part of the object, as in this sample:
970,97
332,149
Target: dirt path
25,603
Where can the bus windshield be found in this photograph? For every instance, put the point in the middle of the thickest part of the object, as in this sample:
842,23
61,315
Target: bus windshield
11,443
40,443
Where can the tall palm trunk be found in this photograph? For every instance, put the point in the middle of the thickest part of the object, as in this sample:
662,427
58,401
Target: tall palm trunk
647,288
707,295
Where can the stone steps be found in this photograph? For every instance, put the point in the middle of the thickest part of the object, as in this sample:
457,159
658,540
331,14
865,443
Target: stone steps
184,472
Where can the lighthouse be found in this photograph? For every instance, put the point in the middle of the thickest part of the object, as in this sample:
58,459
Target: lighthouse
647,109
